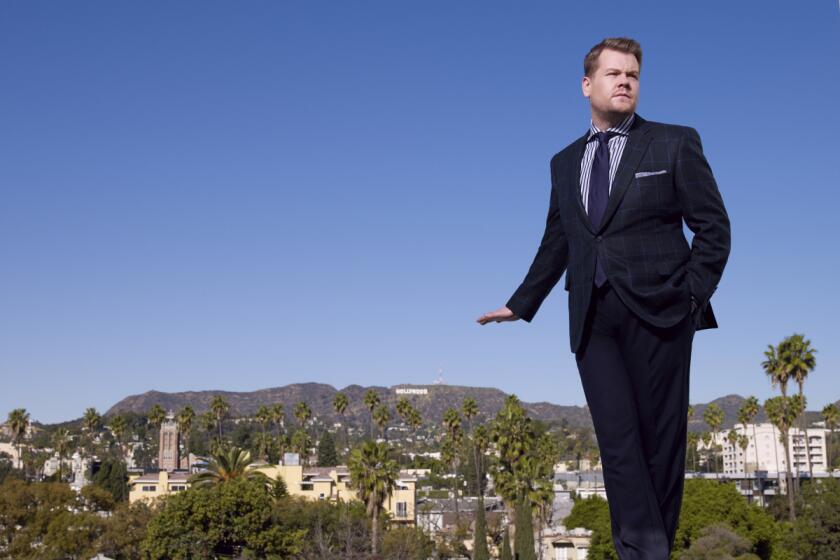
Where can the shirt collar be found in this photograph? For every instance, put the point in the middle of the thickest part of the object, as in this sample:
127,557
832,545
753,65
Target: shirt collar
622,128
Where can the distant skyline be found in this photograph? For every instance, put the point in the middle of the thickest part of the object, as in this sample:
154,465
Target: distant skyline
209,196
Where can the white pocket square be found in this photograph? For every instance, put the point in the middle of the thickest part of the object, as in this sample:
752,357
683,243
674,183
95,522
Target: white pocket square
649,173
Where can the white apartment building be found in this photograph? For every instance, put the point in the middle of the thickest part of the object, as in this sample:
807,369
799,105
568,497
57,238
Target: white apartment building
766,453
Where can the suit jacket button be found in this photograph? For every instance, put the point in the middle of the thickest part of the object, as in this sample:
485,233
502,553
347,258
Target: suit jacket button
598,239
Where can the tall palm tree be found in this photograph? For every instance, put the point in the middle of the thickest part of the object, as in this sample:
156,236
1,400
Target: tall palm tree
301,442
219,407
278,416
382,416
713,416
797,358
91,420
374,475
185,420
773,367
303,413
831,415
263,416
61,443
746,415
693,438
340,404
783,412
18,424
119,427
156,415
706,438
371,400
226,464
452,443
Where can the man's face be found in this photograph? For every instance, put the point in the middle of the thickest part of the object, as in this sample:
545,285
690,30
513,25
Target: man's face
613,87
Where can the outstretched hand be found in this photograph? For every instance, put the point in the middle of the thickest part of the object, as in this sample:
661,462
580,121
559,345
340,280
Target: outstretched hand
501,314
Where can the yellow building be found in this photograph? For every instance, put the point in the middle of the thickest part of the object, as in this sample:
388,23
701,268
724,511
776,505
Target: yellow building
154,485
333,483
314,483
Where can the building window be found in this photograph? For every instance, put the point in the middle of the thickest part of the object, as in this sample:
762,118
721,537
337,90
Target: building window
402,509
307,487
178,488
149,489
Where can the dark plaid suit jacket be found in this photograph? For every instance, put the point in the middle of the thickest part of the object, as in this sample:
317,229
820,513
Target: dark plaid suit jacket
640,241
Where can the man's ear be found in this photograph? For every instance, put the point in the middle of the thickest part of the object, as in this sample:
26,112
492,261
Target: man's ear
586,86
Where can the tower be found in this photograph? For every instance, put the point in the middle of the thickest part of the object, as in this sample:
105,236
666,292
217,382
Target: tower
169,453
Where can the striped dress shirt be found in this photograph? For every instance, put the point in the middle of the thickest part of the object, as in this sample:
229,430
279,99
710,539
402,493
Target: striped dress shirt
616,145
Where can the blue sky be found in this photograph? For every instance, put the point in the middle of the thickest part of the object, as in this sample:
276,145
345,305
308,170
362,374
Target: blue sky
220,195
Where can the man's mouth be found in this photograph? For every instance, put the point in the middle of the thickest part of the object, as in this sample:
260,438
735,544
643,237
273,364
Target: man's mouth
622,95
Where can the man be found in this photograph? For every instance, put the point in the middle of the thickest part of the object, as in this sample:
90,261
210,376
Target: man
637,291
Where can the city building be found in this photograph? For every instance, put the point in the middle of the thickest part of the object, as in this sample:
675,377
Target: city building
765,452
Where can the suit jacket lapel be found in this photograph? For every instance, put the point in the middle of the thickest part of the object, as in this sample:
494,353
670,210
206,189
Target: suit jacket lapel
637,143
574,179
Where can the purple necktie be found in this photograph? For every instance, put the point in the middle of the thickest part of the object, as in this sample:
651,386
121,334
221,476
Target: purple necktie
599,192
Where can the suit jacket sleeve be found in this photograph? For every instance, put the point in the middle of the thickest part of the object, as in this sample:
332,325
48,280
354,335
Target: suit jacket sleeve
549,263
704,214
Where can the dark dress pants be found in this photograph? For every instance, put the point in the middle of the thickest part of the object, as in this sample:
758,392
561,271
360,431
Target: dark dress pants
635,378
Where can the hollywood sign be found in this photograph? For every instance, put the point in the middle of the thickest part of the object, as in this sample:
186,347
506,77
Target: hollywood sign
412,391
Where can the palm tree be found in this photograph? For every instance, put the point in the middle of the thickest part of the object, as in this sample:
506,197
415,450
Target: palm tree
18,423
61,443
746,414
156,416
185,421
371,400
706,438
374,475
119,427
713,416
693,438
831,415
228,464
773,367
219,407
301,442
382,416
90,421
783,412
797,358
303,413
263,416
452,442
340,403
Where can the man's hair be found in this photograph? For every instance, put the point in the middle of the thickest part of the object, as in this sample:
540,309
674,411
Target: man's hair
620,44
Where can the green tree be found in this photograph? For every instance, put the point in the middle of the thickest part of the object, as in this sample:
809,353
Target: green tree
340,404
124,531
746,415
797,358
450,451
232,463
302,413
301,442
119,427
707,502
91,421
505,553
230,520
713,416
61,443
18,424
783,412
113,477
382,416
593,513
220,408
327,455
831,416
374,475
816,531
185,420
371,400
